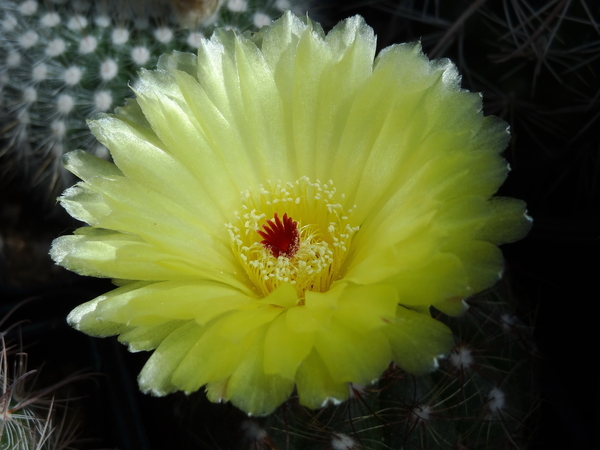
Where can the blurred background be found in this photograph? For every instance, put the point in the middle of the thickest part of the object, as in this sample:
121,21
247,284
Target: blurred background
537,64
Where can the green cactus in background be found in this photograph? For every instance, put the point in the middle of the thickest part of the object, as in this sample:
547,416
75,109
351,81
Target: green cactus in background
62,62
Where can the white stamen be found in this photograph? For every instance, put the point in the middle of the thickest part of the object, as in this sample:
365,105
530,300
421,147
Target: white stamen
316,260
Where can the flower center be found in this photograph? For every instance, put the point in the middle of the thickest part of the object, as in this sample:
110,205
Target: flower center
282,238
295,233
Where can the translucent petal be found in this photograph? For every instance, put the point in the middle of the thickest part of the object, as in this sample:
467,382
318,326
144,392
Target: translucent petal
508,221
198,300
87,166
173,122
416,341
285,349
251,389
84,318
315,384
156,376
130,144
364,308
146,338
351,356
212,357
84,204
483,263
122,256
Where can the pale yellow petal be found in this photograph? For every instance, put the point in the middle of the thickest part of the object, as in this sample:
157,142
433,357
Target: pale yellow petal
351,356
122,256
416,341
508,221
364,308
315,385
145,338
285,349
83,204
251,389
181,300
212,357
156,376
130,144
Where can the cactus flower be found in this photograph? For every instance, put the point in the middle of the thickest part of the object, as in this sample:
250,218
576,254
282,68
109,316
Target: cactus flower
282,211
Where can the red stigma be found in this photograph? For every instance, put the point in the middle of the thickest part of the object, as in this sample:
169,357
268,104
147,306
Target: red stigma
281,237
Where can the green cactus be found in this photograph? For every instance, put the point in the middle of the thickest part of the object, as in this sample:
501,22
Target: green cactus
62,62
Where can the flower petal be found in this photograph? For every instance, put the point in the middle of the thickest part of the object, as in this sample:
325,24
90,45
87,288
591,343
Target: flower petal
251,389
351,356
315,385
156,376
417,340
285,349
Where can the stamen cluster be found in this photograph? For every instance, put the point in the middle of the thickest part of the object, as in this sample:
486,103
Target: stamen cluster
306,247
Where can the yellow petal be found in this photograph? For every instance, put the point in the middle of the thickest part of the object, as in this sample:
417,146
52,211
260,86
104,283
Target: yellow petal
156,376
285,349
351,356
251,389
315,385
417,341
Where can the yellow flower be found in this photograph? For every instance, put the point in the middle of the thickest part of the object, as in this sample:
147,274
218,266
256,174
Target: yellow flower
284,209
